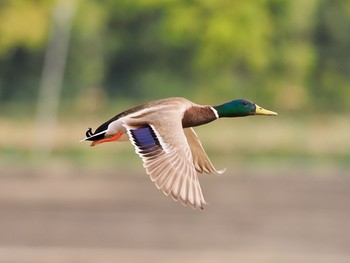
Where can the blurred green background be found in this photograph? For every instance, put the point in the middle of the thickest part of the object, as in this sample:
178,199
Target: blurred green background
69,65
288,56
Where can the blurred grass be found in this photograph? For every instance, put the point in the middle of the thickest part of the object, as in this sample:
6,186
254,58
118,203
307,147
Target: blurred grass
283,141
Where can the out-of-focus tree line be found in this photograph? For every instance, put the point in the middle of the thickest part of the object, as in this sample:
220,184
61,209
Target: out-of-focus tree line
291,53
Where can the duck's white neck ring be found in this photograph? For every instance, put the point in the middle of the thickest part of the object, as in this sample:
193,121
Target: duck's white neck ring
215,112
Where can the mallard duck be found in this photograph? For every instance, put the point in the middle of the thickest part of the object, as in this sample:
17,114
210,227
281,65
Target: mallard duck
162,134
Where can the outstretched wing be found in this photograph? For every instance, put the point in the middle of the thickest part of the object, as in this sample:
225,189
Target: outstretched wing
201,160
168,161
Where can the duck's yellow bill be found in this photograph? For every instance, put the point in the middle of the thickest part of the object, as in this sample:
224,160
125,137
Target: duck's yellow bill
261,111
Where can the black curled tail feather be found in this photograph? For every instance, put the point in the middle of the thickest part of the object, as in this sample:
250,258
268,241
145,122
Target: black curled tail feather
89,133
100,131
90,136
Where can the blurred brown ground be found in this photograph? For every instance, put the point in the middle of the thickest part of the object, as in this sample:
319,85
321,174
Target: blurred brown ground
68,214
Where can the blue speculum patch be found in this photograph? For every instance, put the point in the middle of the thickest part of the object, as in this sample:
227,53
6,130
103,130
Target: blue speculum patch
145,138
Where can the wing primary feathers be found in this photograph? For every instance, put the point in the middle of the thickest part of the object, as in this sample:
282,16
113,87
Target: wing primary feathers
172,169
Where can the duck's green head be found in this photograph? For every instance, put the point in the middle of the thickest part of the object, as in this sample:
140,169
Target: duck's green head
241,108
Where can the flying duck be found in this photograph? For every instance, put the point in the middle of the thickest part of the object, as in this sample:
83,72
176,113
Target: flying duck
162,134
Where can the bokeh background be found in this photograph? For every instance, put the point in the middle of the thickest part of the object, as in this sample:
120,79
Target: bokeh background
69,65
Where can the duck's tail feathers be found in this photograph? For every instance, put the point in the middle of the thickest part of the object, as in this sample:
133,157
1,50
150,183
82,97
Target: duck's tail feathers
91,136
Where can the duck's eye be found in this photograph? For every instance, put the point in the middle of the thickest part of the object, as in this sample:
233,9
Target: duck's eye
245,103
